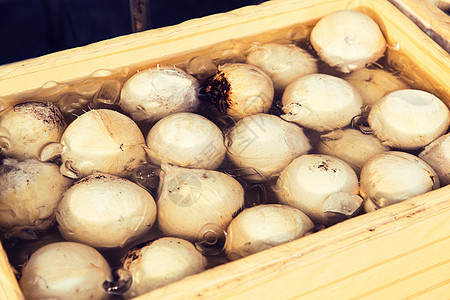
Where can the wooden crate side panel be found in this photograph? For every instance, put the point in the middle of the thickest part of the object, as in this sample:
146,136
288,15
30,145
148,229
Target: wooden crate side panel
373,254
9,287
429,18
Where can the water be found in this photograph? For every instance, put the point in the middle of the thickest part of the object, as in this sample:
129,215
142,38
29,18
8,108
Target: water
96,92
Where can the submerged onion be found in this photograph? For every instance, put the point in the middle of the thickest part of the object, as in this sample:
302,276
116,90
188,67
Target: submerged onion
394,176
282,62
348,40
374,84
65,270
30,192
26,128
264,226
437,155
161,262
186,140
240,90
351,145
99,140
153,94
106,211
409,119
321,102
322,186
190,198
264,144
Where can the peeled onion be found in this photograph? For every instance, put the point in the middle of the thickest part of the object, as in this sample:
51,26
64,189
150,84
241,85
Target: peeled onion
348,40
409,119
153,94
321,186
351,145
264,226
161,262
26,128
99,140
282,62
30,192
65,270
190,199
321,102
186,140
374,84
105,211
264,144
437,155
394,176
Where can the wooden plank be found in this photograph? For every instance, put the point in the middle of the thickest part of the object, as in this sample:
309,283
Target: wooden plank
432,20
9,287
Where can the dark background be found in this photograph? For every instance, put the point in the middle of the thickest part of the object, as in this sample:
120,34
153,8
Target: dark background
31,28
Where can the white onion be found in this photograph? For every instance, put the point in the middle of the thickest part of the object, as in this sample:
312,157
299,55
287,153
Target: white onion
161,262
437,155
264,144
394,176
30,192
351,145
99,140
348,40
283,63
409,119
153,94
374,84
321,102
264,226
240,90
320,186
65,270
187,140
26,128
190,199
105,211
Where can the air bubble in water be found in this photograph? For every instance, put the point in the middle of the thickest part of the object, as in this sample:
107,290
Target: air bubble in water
121,283
211,240
72,105
201,67
108,95
88,88
51,89
147,176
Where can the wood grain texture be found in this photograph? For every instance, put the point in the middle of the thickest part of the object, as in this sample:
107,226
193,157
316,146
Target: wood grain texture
399,251
9,287
432,20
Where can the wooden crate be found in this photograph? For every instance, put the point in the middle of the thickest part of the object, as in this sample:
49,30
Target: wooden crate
432,20
401,251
